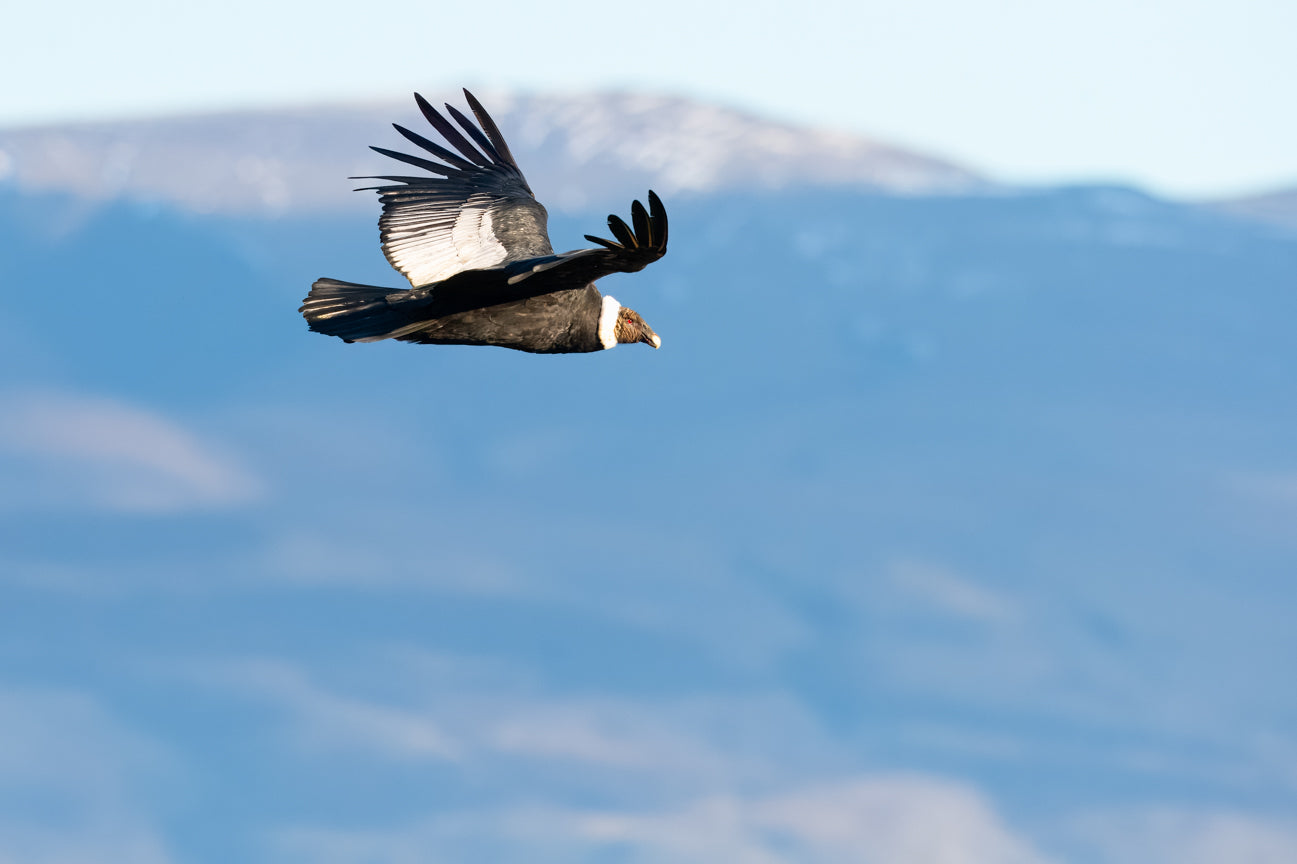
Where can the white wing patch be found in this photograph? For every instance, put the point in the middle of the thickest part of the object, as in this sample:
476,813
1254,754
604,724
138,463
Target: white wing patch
429,244
475,242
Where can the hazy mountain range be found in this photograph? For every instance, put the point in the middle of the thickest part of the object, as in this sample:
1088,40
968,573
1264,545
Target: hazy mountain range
272,162
269,162
952,523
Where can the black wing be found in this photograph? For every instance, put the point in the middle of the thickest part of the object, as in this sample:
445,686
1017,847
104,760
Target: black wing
634,249
478,214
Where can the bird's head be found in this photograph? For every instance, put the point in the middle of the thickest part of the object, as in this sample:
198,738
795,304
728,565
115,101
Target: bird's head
631,327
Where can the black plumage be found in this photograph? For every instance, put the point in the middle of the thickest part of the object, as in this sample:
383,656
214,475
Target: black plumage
472,240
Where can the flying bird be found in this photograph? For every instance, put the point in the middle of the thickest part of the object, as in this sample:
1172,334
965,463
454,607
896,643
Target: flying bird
472,241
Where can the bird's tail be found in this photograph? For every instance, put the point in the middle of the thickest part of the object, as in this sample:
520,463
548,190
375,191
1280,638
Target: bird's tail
353,313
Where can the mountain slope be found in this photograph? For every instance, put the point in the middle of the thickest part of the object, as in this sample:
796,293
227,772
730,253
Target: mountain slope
1277,208
938,522
576,150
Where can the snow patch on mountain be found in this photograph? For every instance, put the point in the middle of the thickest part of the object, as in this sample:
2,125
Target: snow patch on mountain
577,150
1278,207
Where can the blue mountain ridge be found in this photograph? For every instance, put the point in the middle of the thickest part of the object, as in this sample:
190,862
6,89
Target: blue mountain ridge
1063,396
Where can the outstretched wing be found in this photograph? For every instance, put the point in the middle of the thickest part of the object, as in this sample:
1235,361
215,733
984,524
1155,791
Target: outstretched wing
477,213
634,249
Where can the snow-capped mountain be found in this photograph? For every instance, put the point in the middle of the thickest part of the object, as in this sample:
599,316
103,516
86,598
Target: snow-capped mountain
940,522
578,151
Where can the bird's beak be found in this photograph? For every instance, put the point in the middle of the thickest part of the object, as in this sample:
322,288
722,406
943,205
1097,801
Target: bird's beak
651,338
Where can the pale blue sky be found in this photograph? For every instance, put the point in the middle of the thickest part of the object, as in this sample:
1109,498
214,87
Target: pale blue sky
1186,97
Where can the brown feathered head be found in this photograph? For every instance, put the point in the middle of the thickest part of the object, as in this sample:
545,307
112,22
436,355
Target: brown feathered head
631,327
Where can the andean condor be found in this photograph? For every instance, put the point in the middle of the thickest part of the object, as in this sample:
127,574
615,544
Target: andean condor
472,241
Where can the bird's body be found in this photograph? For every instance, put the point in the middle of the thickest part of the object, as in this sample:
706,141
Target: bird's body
473,243
565,321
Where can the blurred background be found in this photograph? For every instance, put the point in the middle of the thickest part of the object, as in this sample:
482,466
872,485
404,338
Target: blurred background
954,523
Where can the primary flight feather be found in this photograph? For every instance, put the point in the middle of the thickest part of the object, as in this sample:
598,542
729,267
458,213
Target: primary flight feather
472,240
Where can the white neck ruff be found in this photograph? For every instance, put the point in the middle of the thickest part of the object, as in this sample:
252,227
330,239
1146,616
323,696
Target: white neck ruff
608,322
